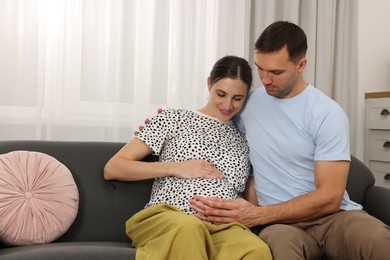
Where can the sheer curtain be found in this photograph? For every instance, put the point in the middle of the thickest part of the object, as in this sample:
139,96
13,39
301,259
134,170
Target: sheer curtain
94,69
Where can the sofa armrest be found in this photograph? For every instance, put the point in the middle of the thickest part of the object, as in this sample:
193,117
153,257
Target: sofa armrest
377,203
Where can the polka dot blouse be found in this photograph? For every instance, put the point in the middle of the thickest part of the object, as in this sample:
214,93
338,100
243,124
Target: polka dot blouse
178,135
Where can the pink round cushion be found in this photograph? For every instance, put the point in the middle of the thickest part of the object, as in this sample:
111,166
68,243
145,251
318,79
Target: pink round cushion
38,198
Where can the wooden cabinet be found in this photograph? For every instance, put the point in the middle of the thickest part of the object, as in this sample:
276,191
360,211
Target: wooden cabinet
377,144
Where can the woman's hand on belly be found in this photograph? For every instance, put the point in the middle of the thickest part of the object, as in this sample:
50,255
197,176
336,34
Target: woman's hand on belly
196,169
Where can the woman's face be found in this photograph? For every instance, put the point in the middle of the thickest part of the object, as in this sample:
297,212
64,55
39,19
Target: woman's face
227,97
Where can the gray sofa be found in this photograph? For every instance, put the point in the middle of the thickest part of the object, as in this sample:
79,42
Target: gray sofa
98,231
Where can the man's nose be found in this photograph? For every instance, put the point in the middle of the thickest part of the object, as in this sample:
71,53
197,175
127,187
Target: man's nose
266,78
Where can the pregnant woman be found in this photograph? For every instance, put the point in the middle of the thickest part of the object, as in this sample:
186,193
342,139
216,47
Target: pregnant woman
200,153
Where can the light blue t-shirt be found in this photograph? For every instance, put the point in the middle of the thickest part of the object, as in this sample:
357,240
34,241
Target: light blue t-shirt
286,136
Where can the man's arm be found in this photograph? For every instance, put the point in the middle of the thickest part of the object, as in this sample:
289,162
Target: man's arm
330,181
249,193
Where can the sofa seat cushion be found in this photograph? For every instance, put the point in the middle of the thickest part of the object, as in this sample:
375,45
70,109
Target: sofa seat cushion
38,198
71,250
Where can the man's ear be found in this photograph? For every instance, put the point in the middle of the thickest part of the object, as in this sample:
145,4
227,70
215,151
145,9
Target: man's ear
302,64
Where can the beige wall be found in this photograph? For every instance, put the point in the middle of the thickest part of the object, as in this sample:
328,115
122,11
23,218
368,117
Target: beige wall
373,56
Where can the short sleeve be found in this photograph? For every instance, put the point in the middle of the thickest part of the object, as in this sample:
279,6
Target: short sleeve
159,129
332,138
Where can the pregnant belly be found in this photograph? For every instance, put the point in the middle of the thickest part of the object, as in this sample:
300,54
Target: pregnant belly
178,192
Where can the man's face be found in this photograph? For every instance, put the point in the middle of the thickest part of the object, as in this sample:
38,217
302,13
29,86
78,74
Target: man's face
280,76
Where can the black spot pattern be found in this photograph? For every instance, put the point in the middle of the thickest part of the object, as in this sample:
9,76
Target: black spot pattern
178,135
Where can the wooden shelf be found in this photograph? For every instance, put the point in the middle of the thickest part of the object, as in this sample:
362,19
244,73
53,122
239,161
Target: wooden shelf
377,95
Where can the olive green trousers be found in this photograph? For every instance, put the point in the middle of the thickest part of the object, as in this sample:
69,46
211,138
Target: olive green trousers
165,232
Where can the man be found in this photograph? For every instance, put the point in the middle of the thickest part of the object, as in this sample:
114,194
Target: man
299,149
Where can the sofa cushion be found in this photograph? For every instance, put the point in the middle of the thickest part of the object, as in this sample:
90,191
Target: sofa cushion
104,206
360,179
38,198
92,250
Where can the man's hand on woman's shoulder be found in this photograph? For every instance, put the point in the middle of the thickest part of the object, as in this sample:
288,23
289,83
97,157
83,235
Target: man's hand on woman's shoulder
147,120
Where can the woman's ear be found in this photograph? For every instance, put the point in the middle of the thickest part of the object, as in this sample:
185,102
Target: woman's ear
209,84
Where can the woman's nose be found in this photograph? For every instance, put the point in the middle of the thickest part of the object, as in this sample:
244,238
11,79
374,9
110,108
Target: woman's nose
227,104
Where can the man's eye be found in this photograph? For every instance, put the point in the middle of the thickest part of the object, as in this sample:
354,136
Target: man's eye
237,99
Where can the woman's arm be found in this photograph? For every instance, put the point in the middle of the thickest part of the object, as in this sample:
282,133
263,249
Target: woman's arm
126,165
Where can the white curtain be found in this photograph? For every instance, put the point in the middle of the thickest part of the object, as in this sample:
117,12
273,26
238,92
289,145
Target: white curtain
95,69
